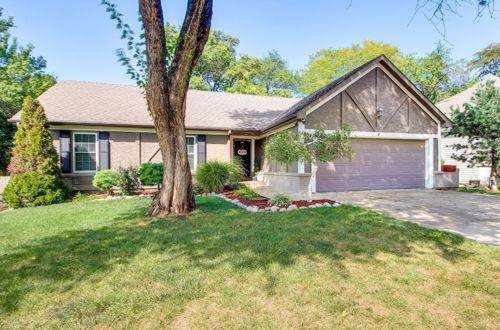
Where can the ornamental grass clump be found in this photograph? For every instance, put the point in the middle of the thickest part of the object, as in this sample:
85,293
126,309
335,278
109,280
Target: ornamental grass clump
280,199
215,176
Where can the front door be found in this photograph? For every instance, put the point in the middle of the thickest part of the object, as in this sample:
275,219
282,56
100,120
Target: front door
242,150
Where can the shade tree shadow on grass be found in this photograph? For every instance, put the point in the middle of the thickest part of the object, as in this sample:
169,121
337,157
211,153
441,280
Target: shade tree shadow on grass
215,234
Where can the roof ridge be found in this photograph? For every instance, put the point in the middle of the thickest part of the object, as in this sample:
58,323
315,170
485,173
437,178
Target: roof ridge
190,89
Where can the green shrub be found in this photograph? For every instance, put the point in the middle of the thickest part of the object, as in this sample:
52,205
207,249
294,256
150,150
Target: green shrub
236,174
33,145
84,197
151,174
280,199
246,192
35,189
128,180
197,189
105,180
215,176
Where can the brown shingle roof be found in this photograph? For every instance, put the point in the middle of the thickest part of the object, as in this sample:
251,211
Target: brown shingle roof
464,96
89,103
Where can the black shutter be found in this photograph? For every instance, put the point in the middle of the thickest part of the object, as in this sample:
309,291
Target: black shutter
65,151
202,149
103,151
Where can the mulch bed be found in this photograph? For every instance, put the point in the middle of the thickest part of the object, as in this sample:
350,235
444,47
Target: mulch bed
262,202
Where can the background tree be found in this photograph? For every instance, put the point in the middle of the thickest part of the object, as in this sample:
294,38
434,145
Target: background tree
219,54
287,147
162,61
33,145
487,61
6,134
327,65
21,75
479,123
436,74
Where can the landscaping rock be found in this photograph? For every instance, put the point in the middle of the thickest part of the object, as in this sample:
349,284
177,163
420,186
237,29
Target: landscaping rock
274,209
327,204
303,207
292,207
283,210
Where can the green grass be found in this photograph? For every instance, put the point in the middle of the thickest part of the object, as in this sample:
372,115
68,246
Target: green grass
488,192
246,192
103,264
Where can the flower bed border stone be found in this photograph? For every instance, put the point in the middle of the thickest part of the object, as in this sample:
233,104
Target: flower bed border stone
296,205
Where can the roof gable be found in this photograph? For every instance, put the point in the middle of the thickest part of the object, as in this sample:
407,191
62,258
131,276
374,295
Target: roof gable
330,90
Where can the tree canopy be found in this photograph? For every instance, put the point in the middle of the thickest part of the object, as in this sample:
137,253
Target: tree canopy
436,74
487,61
479,123
288,147
327,65
22,75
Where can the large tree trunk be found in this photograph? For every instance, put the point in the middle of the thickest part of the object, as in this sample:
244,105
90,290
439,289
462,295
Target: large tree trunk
166,96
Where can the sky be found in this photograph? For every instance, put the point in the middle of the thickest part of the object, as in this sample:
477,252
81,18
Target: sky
78,39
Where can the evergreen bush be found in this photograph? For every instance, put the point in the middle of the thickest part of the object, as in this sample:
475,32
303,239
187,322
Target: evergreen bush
35,189
33,145
151,174
105,180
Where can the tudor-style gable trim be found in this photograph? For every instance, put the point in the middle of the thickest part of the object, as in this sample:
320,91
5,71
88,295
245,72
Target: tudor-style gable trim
341,88
323,95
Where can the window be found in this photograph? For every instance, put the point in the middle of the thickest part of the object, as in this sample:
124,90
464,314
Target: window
190,141
84,152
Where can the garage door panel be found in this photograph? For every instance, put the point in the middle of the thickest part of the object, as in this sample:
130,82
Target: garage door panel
377,164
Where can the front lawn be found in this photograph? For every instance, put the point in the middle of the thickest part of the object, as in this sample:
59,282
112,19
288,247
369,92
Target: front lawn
103,264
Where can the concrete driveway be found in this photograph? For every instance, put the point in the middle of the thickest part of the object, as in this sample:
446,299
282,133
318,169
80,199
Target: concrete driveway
474,216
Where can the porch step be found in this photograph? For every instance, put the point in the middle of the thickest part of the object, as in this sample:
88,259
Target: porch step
254,184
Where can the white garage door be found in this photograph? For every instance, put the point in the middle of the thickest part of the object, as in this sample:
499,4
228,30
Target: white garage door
376,164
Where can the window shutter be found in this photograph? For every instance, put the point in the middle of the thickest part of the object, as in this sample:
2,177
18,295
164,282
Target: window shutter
65,151
103,151
202,149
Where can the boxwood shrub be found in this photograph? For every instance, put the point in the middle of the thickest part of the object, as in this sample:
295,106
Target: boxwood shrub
35,189
105,180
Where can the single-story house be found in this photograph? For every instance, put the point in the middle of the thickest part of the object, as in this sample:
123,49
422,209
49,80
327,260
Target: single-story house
396,130
466,172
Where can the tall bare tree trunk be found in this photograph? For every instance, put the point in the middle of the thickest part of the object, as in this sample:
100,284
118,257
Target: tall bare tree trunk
166,96
494,170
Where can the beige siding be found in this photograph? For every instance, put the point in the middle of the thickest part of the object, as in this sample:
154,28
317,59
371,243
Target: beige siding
124,148
150,148
357,106
218,148
466,173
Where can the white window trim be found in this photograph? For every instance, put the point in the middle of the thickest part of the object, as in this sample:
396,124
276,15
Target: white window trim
195,152
73,163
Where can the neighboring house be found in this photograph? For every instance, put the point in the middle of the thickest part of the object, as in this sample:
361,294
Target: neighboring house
396,130
466,173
